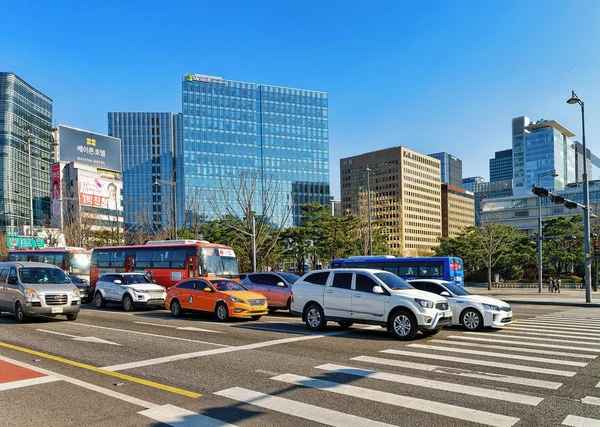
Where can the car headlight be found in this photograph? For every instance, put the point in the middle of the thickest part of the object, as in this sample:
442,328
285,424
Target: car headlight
491,307
424,303
30,293
76,291
140,291
235,299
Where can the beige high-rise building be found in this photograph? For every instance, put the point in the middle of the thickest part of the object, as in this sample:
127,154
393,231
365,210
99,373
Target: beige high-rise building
458,210
406,200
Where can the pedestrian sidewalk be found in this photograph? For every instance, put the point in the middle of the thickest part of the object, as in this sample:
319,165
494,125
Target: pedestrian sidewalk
567,297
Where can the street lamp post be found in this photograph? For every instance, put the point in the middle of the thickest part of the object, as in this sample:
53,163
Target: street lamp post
28,135
574,99
540,238
172,183
369,209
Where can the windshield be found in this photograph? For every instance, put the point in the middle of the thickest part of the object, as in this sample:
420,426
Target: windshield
80,263
290,278
135,278
227,285
41,275
393,281
76,280
219,265
456,290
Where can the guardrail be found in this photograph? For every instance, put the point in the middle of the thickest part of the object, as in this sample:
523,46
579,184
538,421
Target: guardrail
522,285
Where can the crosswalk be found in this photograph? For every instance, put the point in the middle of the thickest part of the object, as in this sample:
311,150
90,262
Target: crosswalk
485,378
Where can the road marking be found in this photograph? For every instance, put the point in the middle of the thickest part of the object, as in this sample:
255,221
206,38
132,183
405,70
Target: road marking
228,349
102,371
298,409
521,337
528,344
422,405
149,335
181,328
285,331
178,417
568,326
25,383
555,329
575,421
76,338
502,355
438,385
582,320
591,400
514,367
10,372
551,385
553,334
523,350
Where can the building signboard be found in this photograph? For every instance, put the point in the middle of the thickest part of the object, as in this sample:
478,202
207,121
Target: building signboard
89,148
25,242
98,192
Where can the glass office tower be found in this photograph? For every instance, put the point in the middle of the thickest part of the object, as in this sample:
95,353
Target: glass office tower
147,144
501,166
277,136
22,109
450,168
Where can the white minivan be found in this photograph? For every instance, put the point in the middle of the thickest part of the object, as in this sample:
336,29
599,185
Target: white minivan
368,296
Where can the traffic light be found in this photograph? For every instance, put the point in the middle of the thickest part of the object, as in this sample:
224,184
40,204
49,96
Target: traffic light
539,191
570,205
557,199
596,249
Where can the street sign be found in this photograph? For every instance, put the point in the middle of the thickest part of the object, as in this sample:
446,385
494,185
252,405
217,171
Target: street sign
25,243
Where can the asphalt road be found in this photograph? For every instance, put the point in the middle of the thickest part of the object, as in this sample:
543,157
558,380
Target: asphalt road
148,369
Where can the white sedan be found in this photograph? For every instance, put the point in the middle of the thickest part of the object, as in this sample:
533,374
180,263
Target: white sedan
473,312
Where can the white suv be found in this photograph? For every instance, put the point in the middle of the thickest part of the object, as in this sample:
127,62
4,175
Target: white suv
368,296
130,289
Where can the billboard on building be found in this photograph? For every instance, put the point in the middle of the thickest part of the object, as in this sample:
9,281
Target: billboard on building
55,195
89,148
99,192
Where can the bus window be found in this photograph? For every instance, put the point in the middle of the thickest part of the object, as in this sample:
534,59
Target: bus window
178,258
407,270
79,264
161,258
143,258
104,258
117,258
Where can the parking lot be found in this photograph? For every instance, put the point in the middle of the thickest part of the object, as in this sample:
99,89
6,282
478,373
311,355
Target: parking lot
147,368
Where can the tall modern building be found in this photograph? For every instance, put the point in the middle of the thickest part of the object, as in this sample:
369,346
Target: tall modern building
501,166
485,191
450,168
148,146
277,137
458,210
592,163
24,109
468,183
405,196
539,147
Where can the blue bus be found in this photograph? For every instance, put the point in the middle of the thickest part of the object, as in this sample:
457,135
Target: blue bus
442,268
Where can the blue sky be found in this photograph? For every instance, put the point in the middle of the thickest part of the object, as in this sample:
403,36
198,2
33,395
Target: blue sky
431,75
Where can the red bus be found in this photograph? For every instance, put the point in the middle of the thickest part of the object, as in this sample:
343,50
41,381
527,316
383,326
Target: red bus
73,261
166,261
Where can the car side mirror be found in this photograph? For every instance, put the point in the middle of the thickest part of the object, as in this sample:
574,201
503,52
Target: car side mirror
445,294
281,284
207,289
117,282
377,290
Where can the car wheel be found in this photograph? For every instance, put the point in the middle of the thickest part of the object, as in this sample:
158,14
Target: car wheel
72,316
222,312
255,317
99,300
431,332
288,305
272,309
345,325
315,319
20,315
403,325
128,303
471,320
176,309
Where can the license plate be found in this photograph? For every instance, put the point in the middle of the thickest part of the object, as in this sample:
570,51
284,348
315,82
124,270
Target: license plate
257,308
57,310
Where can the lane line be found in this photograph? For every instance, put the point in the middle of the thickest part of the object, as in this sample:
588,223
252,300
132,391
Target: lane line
149,334
25,383
575,421
552,334
438,385
591,400
181,328
298,409
521,337
178,417
550,385
285,331
528,344
514,367
422,405
556,330
103,371
228,349
84,339
569,326
517,349
501,355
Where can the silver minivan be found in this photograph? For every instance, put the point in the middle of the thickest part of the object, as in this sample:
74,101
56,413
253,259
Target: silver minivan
29,289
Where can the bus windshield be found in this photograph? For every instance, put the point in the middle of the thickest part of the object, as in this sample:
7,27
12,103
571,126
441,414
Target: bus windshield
218,262
80,263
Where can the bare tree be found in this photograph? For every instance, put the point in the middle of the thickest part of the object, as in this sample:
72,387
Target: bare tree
3,246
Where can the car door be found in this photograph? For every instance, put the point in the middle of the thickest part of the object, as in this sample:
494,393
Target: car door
367,305
11,290
118,290
275,294
3,291
107,285
456,304
259,283
203,300
185,294
338,296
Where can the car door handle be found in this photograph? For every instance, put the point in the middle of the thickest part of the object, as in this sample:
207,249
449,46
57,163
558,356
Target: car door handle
329,292
357,295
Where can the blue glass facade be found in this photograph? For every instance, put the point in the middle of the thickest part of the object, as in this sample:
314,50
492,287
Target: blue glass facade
501,166
490,190
450,168
148,155
22,109
278,135
468,183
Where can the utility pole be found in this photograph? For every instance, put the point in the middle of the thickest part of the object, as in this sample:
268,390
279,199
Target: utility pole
29,135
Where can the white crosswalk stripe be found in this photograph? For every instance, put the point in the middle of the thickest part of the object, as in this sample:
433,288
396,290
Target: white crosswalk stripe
517,349
509,335
551,385
503,355
575,421
466,361
591,400
528,343
553,332
429,406
562,325
438,385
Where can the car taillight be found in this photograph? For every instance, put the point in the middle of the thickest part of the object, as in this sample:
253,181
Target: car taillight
292,296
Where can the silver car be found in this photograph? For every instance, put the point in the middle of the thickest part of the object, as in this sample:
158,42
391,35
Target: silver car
29,289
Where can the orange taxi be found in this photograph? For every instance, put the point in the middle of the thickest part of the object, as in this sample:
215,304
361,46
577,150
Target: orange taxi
223,297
